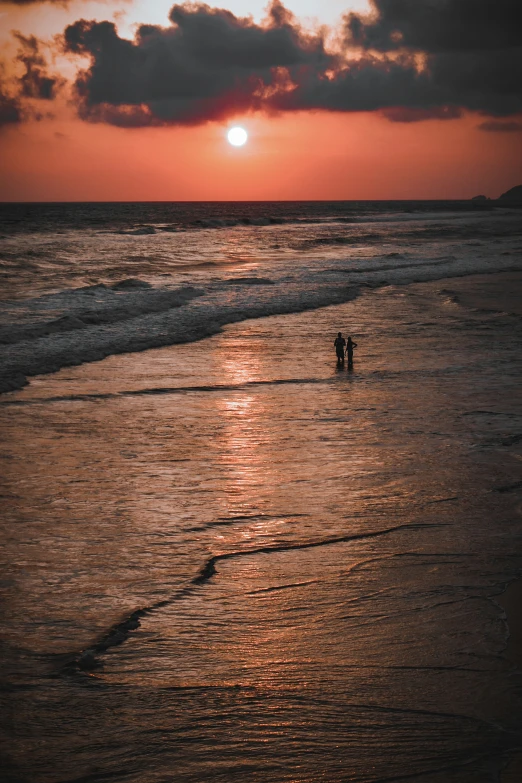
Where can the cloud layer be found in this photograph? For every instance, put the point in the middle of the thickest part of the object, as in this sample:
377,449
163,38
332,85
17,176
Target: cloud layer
436,25
10,108
207,65
409,59
34,82
471,49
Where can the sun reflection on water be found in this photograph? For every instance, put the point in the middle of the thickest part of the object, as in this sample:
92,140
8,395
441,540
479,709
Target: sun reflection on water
244,437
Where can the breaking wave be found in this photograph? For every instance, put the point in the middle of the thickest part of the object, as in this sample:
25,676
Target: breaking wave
122,278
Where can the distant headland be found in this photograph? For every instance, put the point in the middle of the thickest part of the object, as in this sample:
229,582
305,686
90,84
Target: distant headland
511,196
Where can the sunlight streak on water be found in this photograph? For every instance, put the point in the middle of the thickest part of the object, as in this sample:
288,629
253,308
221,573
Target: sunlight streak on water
313,550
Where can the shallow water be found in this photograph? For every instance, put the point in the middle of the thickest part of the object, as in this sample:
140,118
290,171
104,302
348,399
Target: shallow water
83,281
315,551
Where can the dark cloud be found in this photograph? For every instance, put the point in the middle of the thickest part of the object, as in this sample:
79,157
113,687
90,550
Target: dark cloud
17,92
207,65
408,114
501,126
471,49
437,25
10,109
395,87
488,81
35,82
411,60
418,59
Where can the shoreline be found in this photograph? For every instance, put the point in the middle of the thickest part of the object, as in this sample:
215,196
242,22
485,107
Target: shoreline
71,348
176,326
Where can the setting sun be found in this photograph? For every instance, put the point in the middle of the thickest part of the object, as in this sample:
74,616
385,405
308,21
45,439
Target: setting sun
237,136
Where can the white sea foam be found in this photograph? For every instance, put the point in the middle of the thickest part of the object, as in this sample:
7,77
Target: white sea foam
253,271
45,346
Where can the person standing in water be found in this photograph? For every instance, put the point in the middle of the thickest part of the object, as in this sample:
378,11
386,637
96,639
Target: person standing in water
350,345
339,344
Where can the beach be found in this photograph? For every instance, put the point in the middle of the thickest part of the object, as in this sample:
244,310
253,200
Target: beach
260,392
230,559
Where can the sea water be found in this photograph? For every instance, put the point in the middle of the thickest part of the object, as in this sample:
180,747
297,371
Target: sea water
99,279
232,560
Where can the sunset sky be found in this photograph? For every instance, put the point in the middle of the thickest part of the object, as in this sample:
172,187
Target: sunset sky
342,99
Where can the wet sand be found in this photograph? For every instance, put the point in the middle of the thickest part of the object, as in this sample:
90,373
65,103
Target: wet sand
501,292
317,553
511,602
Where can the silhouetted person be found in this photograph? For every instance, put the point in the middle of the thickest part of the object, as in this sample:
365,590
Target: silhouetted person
339,344
350,345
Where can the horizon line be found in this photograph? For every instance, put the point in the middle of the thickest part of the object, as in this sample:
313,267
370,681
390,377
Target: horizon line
249,201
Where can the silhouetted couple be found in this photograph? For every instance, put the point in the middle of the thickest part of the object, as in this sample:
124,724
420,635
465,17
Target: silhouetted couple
340,345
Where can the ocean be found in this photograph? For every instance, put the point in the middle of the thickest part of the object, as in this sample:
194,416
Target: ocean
227,557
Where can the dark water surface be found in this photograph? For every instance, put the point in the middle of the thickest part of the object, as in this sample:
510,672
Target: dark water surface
53,248
312,554
23,217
